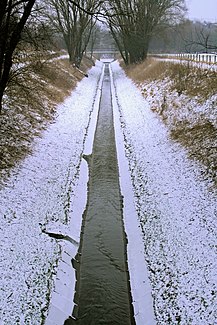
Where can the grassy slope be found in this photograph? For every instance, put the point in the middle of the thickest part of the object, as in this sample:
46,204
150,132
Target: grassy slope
30,105
185,97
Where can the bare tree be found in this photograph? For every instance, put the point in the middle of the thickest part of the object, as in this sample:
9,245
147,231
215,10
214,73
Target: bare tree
74,20
93,38
205,36
196,36
13,17
134,22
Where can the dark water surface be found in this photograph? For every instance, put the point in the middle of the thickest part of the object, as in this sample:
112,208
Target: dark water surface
103,292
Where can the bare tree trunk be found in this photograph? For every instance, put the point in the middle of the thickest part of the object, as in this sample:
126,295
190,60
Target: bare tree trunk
7,51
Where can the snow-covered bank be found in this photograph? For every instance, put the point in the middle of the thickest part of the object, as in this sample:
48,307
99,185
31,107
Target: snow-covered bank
30,104
139,281
41,193
62,298
176,211
191,120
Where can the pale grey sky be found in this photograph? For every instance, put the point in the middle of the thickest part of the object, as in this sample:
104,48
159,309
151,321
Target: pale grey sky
202,10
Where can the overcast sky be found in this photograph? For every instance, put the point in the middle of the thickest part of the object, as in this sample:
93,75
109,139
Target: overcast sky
202,10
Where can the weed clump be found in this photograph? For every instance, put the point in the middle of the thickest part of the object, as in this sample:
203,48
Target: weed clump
193,81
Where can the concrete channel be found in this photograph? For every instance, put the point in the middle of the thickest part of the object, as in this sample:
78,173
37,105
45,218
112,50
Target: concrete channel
103,287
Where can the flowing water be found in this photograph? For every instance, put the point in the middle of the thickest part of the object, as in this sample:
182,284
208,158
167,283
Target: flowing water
103,290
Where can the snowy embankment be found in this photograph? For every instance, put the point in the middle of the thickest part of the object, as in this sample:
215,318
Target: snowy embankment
176,212
191,120
176,108
39,198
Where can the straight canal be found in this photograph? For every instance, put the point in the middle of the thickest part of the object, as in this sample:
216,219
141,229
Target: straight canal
103,288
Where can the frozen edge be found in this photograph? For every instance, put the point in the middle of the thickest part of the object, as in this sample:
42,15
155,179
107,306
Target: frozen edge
61,303
88,145
139,281
62,298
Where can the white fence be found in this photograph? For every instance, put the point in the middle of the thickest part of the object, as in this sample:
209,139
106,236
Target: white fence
197,57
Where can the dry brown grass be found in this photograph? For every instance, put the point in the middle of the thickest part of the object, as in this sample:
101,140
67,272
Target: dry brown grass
150,70
30,104
193,81
59,79
201,141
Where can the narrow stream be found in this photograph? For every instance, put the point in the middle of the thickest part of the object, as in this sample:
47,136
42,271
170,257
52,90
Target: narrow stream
103,290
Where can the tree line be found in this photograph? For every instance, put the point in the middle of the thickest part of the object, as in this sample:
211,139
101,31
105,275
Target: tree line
185,36
74,24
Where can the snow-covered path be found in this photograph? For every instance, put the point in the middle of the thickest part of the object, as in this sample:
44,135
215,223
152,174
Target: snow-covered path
177,214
